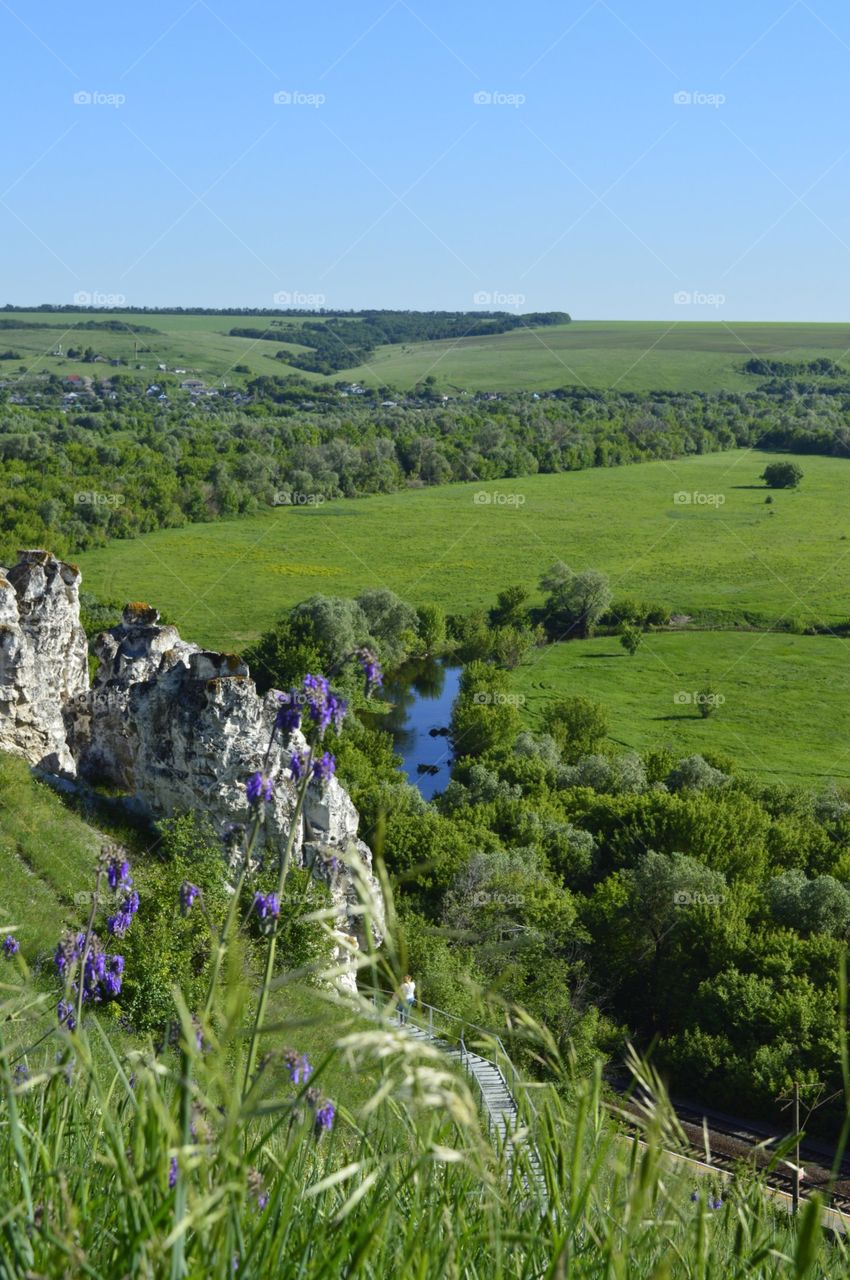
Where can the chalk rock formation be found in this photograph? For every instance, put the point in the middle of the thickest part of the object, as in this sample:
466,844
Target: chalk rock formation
43,658
182,728
177,727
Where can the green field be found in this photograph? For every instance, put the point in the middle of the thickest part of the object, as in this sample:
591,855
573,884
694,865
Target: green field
784,714
631,355
224,583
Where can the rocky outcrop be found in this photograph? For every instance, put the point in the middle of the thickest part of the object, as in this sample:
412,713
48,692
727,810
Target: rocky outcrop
177,727
43,658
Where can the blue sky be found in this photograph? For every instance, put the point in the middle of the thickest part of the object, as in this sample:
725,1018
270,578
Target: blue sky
575,181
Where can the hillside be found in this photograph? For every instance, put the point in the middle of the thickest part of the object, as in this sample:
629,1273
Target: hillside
698,355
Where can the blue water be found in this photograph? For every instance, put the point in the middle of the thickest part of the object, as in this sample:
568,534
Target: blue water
422,694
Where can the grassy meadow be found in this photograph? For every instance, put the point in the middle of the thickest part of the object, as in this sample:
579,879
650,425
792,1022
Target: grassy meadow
682,354
458,545
784,709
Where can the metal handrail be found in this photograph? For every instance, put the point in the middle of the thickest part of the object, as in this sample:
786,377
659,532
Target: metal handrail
491,1035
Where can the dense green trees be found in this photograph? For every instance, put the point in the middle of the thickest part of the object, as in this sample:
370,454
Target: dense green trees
74,476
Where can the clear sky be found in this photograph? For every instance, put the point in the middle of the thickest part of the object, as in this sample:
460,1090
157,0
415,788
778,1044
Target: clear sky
430,153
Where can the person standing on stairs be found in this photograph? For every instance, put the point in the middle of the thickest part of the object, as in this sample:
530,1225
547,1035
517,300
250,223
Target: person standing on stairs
407,992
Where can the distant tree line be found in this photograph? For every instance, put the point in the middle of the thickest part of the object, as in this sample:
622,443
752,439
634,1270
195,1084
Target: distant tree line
161,465
343,343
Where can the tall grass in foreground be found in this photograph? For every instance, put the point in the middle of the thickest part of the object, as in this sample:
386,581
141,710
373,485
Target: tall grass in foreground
155,1164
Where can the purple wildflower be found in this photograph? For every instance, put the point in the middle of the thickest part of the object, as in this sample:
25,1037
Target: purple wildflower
118,873
298,1066
296,766
172,1173
65,1014
10,946
323,706
371,670
288,717
123,918
259,788
267,904
257,1188
325,1117
22,1073
324,768
694,1196
188,894
69,949
717,1203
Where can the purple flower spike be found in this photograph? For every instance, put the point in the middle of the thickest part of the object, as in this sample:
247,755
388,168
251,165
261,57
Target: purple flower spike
296,767
118,874
259,788
267,904
121,921
288,717
371,670
188,894
325,1117
65,1014
172,1173
324,768
298,1066
10,946
323,707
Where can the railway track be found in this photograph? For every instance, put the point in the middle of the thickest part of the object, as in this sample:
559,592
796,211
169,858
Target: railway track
732,1143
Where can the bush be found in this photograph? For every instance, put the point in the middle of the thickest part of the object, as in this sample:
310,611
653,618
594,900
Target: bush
577,724
782,475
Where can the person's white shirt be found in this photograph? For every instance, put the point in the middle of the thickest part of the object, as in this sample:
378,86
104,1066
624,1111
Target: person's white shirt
408,990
